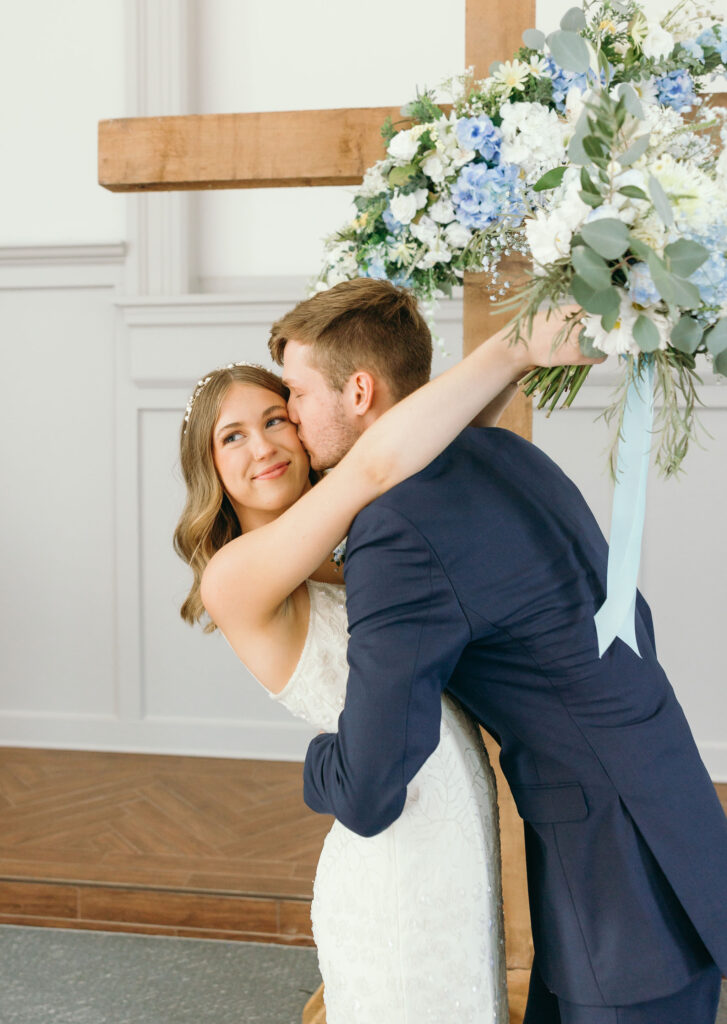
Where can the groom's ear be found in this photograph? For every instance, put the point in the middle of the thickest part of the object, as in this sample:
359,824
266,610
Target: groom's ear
359,393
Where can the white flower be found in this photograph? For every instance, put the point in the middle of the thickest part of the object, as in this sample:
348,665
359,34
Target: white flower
442,211
425,230
548,236
457,235
511,74
404,207
374,181
569,206
401,252
658,42
532,137
405,144
651,229
433,167
536,66
620,340
645,89
438,253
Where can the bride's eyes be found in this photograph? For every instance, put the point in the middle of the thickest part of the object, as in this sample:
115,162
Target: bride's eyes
276,419
232,437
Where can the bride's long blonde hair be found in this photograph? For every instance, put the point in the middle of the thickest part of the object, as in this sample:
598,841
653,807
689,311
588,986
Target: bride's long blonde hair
208,520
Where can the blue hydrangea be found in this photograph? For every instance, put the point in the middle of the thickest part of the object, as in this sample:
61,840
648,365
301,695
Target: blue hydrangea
692,47
641,285
480,134
711,279
393,226
676,90
481,195
713,37
375,268
563,80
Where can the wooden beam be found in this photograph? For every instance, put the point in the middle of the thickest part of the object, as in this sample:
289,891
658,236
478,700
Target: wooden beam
281,149
494,31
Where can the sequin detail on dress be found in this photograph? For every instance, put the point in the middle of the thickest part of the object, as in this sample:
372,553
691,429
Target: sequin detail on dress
408,924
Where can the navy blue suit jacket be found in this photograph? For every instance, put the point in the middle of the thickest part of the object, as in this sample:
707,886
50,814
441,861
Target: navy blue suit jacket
481,576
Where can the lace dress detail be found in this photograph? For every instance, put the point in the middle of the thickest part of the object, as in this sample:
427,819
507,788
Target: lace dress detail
408,923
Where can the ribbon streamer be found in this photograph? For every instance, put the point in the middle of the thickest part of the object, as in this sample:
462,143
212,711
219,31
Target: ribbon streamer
616,616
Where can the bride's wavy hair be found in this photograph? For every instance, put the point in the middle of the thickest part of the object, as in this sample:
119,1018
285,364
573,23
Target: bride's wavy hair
208,520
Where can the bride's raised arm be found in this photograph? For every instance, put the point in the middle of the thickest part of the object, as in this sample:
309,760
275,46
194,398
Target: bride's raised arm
250,578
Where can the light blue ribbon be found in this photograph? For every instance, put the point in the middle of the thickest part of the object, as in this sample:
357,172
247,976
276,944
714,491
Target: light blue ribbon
616,616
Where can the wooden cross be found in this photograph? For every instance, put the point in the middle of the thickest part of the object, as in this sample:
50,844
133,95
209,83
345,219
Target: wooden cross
335,147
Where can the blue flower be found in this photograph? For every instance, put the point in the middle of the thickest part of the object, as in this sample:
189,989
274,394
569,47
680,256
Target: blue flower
711,279
710,38
375,268
563,80
676,90
481,195
693,49
393,226
480,134
641,285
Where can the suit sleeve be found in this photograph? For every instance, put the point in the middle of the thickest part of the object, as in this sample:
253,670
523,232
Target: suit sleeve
407,632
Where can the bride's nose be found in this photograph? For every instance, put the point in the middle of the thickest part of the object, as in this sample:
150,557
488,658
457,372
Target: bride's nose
261,446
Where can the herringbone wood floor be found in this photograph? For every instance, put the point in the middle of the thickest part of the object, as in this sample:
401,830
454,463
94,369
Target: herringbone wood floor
185,845
208,847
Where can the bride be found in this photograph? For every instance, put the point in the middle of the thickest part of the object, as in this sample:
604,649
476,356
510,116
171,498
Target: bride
408,923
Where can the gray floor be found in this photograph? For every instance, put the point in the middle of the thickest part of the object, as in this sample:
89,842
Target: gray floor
53,976
50,976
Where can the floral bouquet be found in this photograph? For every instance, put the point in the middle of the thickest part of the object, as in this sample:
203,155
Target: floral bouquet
592,153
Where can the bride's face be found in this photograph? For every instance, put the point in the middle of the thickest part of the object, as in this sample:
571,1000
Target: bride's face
258,457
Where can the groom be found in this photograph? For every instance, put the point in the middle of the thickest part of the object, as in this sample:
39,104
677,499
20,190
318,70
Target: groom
481,575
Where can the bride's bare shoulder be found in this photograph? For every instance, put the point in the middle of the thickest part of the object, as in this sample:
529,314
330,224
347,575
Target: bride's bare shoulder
270,648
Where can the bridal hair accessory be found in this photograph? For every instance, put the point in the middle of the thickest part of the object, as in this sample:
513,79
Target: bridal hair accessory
203,381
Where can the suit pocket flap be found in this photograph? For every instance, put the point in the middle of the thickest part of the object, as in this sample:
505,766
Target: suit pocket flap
542,804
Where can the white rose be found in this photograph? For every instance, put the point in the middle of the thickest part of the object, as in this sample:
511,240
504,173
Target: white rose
374,181
405,144
425,231
658,43
404,207
549,237
433,167
438,253
442,211
457,235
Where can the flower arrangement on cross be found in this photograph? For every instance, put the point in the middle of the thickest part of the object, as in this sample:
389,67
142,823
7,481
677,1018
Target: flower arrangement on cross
593,154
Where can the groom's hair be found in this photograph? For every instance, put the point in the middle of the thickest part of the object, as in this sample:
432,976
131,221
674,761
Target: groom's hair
363,324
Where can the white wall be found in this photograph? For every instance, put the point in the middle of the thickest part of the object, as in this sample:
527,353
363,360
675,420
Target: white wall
102,343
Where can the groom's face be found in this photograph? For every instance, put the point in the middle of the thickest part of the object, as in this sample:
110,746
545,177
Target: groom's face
325,427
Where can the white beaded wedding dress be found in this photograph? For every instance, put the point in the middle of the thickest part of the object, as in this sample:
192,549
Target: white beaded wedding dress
408,924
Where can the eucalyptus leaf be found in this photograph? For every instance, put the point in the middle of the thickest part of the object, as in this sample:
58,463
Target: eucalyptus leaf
660,201
674,290
591,267
582,291
716,338
593,146
533,38
494,66
608,320
633,192
631,100
603,302
587,183
686,335
608,236
639,248
587,347
590,199
576,152
569,51
573,20
720,363
635,150
400,175
685,256
646,334
551,179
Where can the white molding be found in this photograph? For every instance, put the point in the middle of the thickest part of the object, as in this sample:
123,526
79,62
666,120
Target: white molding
195,737
159,34
61,266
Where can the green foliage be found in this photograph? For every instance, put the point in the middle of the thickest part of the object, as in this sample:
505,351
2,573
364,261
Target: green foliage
660,201
423,108
533,38
646,334
388,131
685,256
591,268
637,149
608,236
716,338
673,289
551,179
569,50
686,334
